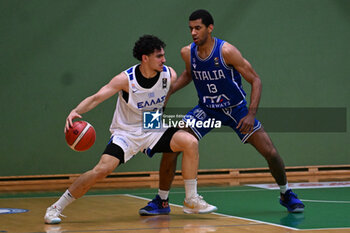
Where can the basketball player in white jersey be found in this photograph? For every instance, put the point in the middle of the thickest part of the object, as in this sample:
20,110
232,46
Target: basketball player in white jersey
143,87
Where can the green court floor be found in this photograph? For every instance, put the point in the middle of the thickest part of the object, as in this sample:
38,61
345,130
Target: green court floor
325,207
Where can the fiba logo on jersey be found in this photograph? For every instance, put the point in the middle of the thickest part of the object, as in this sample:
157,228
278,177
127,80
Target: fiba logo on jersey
152,120
216,62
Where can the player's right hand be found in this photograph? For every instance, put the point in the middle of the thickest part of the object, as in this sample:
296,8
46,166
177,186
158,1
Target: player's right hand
69,121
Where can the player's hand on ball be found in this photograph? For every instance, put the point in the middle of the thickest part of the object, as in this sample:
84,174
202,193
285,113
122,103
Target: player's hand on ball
69,121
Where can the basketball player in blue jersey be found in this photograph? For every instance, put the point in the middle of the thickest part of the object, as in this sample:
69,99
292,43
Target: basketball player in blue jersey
216,68
143,87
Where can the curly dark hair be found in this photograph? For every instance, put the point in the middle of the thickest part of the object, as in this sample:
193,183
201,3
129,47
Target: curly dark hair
146,45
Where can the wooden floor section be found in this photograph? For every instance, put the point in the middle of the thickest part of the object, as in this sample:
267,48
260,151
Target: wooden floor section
119,213
150,179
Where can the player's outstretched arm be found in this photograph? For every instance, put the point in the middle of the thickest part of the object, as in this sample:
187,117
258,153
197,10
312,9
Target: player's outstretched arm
119,82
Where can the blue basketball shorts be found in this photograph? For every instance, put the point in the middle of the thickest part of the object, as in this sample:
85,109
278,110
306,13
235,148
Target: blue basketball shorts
228,116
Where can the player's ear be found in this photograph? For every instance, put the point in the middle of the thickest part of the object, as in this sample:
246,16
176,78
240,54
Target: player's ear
145,58
210,28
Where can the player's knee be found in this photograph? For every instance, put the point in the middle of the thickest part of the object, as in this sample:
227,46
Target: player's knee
182,142
191,142
270,152
273,152
101,171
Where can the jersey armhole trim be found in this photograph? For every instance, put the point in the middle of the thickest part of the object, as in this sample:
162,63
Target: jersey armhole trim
222,57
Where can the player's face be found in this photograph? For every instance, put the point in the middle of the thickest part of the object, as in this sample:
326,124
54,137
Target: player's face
200,33
157,60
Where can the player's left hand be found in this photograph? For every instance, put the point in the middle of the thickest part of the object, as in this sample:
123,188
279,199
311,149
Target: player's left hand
246,124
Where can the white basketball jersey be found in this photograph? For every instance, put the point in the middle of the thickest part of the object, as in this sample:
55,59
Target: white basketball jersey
128,115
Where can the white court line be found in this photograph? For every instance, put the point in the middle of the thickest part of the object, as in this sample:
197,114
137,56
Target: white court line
321,229
325,201
305,185
150,193
223,215
210,191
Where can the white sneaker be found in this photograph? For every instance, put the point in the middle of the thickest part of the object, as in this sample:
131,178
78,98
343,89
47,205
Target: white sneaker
196,205
52,215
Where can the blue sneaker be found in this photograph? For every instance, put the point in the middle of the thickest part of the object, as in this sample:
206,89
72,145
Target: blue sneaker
155,207
291,202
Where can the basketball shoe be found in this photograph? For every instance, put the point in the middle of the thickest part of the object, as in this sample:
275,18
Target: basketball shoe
155,207
291,202
196,205
52,215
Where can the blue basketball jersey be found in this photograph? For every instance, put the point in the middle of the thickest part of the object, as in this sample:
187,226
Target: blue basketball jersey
217,84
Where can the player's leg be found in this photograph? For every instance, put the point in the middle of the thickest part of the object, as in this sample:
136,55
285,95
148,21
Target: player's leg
263,144
105,166
188,145
169,160
80,186
111,158
160,204
167,170
168,166
175,140
260,140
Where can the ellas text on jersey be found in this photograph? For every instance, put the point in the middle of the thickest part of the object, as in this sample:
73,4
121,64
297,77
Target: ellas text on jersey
150,102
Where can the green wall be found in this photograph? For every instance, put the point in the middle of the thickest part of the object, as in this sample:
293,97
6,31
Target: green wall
53,54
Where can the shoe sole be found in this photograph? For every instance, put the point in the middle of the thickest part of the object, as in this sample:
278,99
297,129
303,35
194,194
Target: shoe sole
145,213
191,211
296,210
53,222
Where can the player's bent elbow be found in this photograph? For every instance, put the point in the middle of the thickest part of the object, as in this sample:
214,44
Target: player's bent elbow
257,82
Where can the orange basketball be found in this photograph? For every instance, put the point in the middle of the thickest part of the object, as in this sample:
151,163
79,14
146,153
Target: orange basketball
81,136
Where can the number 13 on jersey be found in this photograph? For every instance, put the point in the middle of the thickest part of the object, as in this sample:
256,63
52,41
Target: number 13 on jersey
212,88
